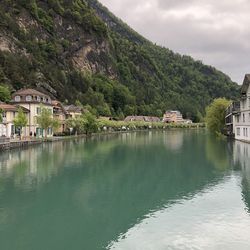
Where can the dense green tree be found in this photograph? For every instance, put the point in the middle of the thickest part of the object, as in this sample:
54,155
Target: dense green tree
76,124
1,115
4,94
45,120
215,115
20,121
90,123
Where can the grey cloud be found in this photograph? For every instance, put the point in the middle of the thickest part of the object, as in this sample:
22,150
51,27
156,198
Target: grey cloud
215,32
173,3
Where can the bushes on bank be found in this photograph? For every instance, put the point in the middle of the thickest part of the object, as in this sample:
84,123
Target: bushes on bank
122,125
215,115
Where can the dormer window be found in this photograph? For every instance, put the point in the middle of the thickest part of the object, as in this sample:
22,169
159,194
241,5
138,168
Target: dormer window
28,98
17,98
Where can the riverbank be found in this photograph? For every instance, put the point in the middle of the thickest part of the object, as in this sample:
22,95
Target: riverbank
19,144
104,130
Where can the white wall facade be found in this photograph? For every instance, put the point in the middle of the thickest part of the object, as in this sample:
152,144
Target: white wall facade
32,127
242,120
3,130
7,128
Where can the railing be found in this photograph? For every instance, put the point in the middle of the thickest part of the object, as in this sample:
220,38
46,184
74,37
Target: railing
234,108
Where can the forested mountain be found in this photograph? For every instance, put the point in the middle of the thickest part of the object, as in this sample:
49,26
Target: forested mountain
78,50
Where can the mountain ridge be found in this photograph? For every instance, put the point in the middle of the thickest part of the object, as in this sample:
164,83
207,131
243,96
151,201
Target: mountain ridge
78,50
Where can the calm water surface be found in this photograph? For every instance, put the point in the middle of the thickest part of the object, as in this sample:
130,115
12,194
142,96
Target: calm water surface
137,191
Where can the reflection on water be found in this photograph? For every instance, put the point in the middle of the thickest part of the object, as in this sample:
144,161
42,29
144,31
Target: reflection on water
150,190
174,140
242,161
193,223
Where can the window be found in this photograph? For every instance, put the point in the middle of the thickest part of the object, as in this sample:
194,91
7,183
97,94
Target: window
244,104
17,98
49,131
246,132
243,117
38,110
238,131
38,98
28,98
238,119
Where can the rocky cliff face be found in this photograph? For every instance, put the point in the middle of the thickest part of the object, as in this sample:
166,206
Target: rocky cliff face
65,42
78,50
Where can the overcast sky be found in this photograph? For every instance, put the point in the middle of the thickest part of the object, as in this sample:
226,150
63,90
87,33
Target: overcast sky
216,32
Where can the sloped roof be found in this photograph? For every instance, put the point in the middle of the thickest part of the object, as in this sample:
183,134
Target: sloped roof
73,109
142,118
58,104
12,108
245,85
22,92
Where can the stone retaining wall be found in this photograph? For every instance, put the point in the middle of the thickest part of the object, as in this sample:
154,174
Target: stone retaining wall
18,144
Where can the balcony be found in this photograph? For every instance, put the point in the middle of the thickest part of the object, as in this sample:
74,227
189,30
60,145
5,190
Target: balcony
236,108
233,109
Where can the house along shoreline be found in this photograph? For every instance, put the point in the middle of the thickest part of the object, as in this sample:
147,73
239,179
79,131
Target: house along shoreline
8,144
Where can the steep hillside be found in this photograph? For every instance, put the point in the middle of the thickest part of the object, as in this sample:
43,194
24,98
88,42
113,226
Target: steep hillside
78,50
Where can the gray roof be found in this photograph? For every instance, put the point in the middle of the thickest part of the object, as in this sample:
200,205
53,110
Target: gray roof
73,109
245,85
25,92
142,119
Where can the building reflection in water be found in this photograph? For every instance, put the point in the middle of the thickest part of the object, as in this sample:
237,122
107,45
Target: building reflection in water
241,156
174,140
34,165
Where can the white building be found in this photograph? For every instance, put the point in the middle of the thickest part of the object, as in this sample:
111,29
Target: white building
232,110
242,118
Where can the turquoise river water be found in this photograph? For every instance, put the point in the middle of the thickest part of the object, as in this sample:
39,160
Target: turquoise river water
178,189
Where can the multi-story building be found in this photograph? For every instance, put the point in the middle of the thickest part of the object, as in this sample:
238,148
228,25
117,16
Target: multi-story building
173,116
60,114
242,117
33,100
7,128
231,111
